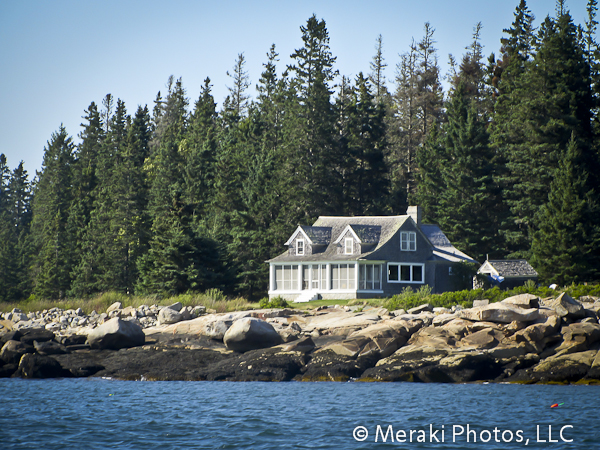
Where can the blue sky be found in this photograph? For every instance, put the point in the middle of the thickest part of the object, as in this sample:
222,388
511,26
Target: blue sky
58,56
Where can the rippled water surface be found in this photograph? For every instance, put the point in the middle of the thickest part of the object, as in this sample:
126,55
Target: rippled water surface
101,414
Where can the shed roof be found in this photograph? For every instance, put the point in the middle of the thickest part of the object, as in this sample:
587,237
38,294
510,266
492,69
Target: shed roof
512,268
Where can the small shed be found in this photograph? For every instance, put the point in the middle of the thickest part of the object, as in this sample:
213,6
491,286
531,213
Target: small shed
508,273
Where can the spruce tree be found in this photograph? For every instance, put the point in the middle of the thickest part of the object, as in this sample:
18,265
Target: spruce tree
51,239
314,154
365,179
469,195
241,83
565,244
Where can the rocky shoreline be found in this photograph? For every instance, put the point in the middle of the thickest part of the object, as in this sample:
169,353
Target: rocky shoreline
523,339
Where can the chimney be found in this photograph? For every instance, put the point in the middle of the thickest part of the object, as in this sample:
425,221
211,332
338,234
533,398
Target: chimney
415,212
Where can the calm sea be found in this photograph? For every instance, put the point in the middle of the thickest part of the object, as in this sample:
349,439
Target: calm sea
102,414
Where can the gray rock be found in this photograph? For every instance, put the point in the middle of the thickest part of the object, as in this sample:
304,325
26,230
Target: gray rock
565,306
19,317
523,301
116,334
37,366
36,334
250,334
12,351
216,329
477,303
177,306
114,307
198,311
303,345
167,316
500,312
49,348
421,308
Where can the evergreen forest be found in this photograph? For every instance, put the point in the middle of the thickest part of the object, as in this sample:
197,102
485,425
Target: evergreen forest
502,151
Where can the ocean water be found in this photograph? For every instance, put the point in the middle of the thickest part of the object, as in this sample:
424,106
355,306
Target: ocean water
103,414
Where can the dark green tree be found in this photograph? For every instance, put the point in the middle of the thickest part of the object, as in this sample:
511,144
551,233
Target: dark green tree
565,244
365,181
314,153
52,199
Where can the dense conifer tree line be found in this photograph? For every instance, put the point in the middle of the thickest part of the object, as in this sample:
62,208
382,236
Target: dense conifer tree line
189,197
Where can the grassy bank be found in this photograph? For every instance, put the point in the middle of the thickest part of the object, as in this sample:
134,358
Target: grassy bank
211,299
216,300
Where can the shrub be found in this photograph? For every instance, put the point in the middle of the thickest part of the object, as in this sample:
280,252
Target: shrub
277,302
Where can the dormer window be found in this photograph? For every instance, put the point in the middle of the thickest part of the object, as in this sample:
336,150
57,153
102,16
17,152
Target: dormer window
348,246
300,247
408,241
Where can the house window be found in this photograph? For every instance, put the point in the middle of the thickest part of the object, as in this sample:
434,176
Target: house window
286,278
300,247
342,276
348,246
405,273
408,241
369,277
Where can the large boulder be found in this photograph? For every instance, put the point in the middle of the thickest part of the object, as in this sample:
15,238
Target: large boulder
12,351
421,308
566,306
38,366
250,334
481,339
167,316
49,348
578,337
500,312
565,368
116,334
523,301
36,334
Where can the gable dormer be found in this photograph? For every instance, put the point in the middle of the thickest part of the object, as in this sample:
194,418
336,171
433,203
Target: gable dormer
308,240
357,239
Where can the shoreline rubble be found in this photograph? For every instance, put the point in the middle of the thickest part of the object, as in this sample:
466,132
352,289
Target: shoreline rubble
522,339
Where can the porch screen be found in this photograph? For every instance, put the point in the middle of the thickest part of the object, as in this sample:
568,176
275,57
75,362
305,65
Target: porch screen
286,278
369,276
342,276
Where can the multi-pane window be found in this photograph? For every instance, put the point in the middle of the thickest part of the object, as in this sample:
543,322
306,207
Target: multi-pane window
342,276
348,246
408,241
369,277
286,278
405,273
300,247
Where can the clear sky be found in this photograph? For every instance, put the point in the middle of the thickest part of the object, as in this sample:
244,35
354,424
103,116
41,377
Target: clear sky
56,57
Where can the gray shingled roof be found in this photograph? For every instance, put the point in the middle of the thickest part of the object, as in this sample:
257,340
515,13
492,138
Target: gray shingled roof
443,248
387,226
436,236
368,234
318,235
513,268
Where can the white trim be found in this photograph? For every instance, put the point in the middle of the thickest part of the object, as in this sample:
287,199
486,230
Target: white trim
346,240
298,230
411,273
343,233
298,241
408,241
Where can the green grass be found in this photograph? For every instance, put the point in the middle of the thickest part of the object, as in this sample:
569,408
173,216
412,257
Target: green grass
211,299
214,299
